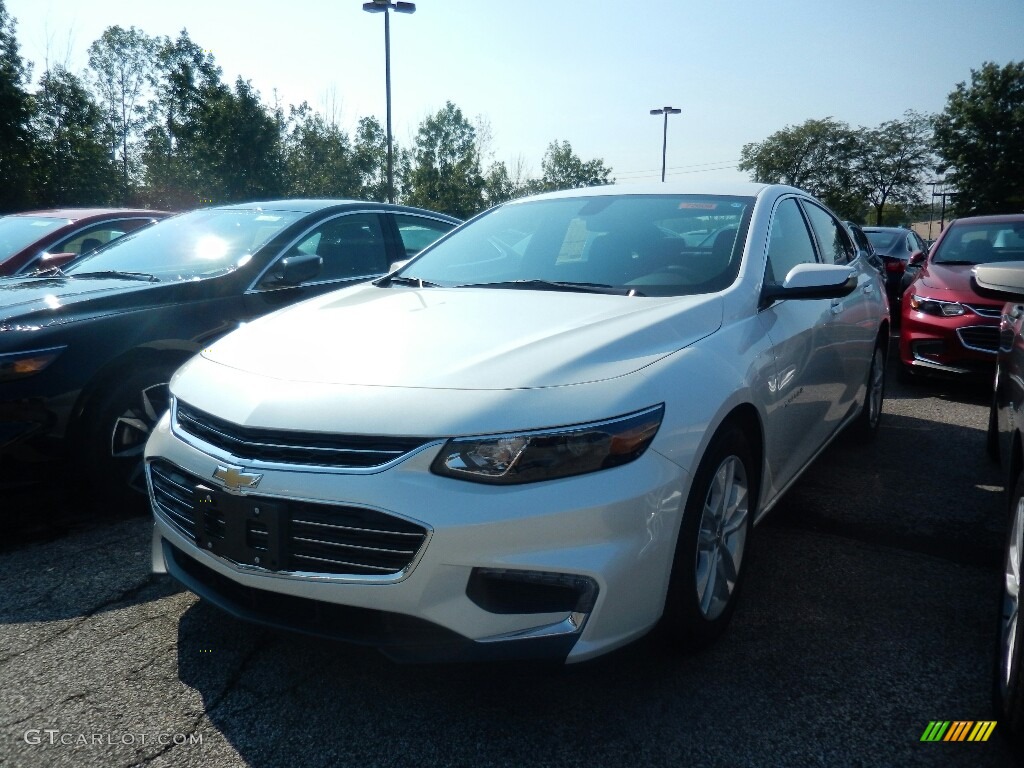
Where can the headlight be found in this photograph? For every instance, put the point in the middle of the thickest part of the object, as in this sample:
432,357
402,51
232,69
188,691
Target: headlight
936,307
17,365
527,457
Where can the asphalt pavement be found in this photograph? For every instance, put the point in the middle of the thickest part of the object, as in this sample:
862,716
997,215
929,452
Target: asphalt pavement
869,611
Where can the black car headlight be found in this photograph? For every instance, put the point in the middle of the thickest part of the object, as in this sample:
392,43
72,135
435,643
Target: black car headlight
528,457
936,307
17,365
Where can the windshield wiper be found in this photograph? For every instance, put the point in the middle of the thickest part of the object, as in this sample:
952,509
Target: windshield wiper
550,285
118,273
403,280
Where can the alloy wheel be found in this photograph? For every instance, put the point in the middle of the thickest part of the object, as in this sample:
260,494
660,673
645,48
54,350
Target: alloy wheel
1011,596
722,537
133,427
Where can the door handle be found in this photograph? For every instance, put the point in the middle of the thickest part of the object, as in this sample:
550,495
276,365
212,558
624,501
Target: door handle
837,307
868,288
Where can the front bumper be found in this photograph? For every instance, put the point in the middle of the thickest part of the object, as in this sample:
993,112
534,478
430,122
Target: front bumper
613,530
964,345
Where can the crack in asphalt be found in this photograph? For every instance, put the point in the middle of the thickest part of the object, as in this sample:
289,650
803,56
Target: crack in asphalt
230,686
121,597
30,715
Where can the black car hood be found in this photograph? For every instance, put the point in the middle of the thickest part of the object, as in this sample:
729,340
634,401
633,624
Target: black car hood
41,301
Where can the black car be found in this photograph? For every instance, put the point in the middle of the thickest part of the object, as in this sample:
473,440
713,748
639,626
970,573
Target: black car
865,247
86,353
896,246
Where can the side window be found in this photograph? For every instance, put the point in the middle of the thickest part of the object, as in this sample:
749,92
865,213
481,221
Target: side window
350,245
417,232
87,240
833,242
789,243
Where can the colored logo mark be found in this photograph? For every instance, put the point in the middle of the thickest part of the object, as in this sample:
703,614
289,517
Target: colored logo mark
958,730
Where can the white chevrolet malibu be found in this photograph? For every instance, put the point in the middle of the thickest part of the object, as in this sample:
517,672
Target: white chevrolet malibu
552,429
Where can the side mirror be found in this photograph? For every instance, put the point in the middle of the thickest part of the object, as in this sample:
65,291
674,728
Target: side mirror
295,270
812,281
916,258
1004,281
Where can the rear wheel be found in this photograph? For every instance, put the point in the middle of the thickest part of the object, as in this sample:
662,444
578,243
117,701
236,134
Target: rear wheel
713,542
118,429
871,414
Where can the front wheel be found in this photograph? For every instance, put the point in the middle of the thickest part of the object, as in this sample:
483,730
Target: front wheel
1008,690
117,431
713,541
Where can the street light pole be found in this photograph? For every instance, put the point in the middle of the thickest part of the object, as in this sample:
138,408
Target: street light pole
379,6
664,134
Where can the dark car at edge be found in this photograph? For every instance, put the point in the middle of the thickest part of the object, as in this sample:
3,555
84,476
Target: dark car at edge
86,353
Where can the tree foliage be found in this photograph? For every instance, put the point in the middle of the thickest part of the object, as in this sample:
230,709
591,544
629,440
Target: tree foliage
73,163
16,142
561,168
894,160
980,139
818,156
445,174
123,64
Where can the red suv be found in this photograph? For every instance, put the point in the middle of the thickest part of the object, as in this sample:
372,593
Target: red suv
946,326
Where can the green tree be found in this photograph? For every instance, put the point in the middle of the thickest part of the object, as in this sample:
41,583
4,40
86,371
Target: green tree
73,163
189,79
319,159
561,168
894,161
980,140
16,143
123,64
370,151
818,156
445,172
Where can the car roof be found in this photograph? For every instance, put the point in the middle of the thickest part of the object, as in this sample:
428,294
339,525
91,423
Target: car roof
738,189
1002,218
74,214
308,205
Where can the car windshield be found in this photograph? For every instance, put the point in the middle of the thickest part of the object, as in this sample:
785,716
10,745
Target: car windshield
981,243
194,245
636,243
889,243
16,232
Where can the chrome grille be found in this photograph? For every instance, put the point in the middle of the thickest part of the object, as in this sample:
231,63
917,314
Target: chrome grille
287,447
985,311
981,338
281,534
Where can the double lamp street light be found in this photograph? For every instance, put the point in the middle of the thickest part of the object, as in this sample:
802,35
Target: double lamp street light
384,6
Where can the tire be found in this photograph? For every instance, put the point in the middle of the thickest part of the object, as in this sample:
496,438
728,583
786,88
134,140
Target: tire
116,433
992,436
713,542
1008,683
866,425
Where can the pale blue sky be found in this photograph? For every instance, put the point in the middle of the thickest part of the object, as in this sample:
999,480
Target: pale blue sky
586,72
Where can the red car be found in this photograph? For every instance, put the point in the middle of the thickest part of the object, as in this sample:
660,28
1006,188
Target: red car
26,238
946,326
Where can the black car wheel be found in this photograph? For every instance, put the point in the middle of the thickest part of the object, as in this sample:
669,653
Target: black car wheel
713,541
118,430
1008,690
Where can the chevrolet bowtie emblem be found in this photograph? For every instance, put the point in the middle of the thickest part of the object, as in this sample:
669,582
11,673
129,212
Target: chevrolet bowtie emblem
235,479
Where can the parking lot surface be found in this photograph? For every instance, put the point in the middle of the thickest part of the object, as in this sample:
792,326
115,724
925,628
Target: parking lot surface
868,612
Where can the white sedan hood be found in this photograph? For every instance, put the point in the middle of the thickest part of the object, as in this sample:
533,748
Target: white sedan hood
465,338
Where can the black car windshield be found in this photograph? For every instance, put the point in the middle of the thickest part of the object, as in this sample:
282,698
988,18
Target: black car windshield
16,232
981,243
888,243
638,243
194,245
